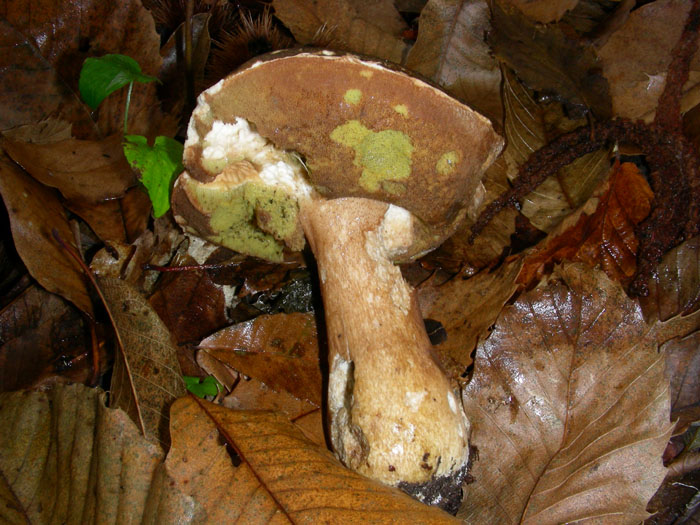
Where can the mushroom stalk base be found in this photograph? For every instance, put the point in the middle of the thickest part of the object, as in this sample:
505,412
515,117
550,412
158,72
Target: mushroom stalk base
393,414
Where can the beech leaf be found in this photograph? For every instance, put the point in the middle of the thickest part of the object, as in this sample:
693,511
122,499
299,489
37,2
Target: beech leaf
569,407
66,458
281,350
35,211
368,28
451,51
147,376
308,484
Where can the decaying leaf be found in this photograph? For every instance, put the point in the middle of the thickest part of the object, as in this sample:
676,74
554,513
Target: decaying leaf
636,57
569,407
544,11
368,28
466,308
674,288
605,237
526,132
56,39
147,376
308,484
281,350
42,336
451,50
683,364
549,59
35,211
82,170
66,458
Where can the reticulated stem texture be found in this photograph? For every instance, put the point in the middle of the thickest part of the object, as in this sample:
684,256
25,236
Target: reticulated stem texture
393,414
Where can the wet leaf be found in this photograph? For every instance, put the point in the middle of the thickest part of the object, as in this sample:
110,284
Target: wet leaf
82,170
147,376
605,237
368,28
307,482
66,458
35,211
55,41
549,59
42,336
280,350
451,51
674,288
466,308
569,407
635,59
683,363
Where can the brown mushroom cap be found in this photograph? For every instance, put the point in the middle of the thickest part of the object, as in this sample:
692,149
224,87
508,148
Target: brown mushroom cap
363,128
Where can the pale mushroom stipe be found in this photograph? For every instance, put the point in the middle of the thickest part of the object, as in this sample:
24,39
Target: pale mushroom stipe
371,166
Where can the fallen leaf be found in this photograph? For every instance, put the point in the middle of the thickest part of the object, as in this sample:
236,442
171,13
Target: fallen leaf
35,211
147,376
66,458
56,39
307,482
544,11
605,237
549,59
646,41
526,132
82,170
42,336
466,308
683,364
674,288
280,350
451,51
569,407
368,28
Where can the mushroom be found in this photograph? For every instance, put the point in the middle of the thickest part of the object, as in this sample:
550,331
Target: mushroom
372,166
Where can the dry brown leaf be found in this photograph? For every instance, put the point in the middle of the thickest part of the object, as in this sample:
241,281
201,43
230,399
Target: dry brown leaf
569,407
307,482
82,170
55,40
683,364
605,237
451,51
42,336
544,11
281,350
35,211
66,458
369,28
636,57
466,308
147,376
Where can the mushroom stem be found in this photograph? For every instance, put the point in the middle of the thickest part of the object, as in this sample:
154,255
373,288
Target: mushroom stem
393,413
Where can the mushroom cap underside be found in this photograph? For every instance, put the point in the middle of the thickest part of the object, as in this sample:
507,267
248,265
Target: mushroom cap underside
363,129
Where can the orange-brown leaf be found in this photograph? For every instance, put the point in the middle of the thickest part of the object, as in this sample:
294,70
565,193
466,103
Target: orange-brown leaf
606,237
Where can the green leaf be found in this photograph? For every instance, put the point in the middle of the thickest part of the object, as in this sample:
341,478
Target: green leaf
208,386
159,165
101,76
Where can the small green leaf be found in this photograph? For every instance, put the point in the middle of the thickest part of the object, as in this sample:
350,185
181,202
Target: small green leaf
101,76
159,165
208,386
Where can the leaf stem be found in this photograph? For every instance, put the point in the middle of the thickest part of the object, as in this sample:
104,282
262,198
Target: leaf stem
126,106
